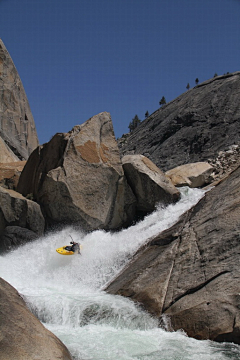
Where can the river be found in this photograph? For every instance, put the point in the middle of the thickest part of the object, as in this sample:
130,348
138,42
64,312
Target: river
66,293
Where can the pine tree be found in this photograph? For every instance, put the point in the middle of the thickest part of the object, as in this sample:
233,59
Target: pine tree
188,86
162,101
134,123
196,81
146,114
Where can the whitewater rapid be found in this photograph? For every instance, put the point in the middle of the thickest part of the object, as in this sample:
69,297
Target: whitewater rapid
66,293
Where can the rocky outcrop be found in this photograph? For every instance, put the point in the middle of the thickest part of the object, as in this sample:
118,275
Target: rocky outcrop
225,162
10,173
78,178
149,184
18,212
17,127
190,272
193,175
23,337
194,127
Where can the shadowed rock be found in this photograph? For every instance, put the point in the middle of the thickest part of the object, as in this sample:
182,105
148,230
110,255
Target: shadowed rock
17,128
191,272
17,211
149,184
78,178
14,236
23,337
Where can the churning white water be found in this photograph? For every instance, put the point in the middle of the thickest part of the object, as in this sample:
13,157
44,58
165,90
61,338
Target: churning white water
66,294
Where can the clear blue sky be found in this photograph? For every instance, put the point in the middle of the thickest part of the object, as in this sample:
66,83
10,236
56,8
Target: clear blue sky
77,58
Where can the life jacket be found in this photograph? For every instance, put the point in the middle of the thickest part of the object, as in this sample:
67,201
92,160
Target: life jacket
75,247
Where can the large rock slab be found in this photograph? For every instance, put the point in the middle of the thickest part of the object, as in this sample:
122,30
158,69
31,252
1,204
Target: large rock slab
23,337
149,184
17,127
190,272
194,127
17,211
192,175
78,178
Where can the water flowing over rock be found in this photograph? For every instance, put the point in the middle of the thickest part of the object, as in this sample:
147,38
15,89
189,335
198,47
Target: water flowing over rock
17,127
193,127
23,337
78,178
149,184
190,272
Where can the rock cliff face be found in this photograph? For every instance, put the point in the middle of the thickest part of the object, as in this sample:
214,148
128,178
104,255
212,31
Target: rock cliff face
194,127
190,272
17,127
22,334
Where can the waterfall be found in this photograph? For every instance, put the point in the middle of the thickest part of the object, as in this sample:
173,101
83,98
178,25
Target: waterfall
66,293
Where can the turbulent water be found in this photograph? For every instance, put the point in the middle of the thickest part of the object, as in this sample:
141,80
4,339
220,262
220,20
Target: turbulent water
65,293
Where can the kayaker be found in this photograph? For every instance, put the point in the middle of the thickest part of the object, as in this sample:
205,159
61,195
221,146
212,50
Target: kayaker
75,247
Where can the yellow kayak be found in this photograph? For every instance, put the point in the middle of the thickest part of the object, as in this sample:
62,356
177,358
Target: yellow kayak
63,251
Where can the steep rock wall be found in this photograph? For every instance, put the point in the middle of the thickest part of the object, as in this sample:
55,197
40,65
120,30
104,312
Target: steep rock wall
17,127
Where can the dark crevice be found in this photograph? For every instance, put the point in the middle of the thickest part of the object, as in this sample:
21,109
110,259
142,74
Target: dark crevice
195,289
